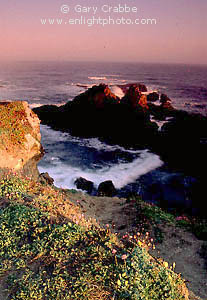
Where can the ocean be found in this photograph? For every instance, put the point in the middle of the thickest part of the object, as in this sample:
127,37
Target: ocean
68,157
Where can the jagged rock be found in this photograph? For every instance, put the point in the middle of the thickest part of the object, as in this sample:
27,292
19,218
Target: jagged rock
164,98
153,97
99,96
107,189
157,112
125,87
143,101
162,111
20,147
166,102
99,113
84,184
134,98
45,177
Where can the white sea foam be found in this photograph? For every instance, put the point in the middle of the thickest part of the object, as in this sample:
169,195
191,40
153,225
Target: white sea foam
117,91
121,173
97,78
160,123
36,104
83,85
110,83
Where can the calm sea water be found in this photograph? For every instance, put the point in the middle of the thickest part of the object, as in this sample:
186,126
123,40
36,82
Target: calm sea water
67,157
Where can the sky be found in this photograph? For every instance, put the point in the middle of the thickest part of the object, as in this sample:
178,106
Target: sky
179,35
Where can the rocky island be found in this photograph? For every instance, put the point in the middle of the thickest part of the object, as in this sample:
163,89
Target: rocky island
138,120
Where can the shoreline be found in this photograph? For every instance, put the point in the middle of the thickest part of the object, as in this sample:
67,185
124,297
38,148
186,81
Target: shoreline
25,197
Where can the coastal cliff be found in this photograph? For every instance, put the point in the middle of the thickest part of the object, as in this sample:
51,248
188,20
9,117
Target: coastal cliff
50,249
20,139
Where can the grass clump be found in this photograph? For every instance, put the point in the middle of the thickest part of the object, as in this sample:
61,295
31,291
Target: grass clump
151,218
154,213
13,187
48,255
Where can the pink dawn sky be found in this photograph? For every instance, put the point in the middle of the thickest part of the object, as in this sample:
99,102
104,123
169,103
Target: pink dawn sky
178,37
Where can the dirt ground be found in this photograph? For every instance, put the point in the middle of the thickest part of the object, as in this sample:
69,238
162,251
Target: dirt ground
178,246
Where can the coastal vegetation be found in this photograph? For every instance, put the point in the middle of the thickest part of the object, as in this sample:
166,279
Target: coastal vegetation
49,247
49,250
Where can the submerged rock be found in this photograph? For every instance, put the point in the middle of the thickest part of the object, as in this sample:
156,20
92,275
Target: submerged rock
84,184
107,189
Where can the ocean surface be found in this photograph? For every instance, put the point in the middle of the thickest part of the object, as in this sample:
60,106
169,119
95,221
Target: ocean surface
67,157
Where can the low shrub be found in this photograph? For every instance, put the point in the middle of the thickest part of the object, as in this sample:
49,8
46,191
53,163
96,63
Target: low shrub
42,257
13,187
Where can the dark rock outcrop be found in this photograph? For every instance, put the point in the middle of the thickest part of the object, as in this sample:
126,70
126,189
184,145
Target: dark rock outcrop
98,112
183,143
162,111
84,184
125,87
153,97
107,189
134,97
98,96
127,122
166,102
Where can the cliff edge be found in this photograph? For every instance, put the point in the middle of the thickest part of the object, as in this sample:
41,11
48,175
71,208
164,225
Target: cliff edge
20,139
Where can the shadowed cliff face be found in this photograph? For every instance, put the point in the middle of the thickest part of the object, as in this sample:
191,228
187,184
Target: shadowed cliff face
20,147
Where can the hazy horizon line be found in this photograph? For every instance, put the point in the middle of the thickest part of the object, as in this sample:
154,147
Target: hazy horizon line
100,61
